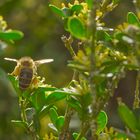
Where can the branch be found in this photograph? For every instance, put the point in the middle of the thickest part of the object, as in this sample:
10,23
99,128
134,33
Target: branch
65,134
67,43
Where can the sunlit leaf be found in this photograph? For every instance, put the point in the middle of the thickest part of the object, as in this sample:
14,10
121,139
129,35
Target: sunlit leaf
77,28
11,35
44,111
59,122
51,125
53,115
133,19
55,96
38,98
127,116
76,8
57,10
101,122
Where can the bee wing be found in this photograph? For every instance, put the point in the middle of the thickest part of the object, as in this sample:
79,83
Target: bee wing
11,59
43,61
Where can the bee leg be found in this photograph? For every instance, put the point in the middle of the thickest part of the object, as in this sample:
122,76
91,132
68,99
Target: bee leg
35,81
16,71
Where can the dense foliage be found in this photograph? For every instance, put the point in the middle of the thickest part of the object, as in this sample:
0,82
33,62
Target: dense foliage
100,58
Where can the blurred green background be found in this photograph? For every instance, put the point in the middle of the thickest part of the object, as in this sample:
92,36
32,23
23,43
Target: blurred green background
42,32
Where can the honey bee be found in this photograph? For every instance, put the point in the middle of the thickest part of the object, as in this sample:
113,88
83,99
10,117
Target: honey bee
26,70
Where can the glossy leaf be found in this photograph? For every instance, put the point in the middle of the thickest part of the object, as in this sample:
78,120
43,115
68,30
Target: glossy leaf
76,8
57,10
53,115
11,35
38,98
55,96
101,122
127,116
133,19
44,111
51,125
76,28
59,122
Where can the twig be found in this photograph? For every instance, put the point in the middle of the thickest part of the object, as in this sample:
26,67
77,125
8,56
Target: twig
137,100
92,45
67,43
84,129
22,104
65,134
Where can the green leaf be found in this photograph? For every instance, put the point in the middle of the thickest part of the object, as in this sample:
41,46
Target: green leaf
57,10
113,67
76,8
76,28
38,98
103,36
127,116
74,103
59,122
44,111
101,122
90,3
11,35
53,115
77,65
19,123
133,19
115,1
15,83
36,123
55,96
75,136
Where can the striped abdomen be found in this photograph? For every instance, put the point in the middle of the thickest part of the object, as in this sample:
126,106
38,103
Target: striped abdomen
25,78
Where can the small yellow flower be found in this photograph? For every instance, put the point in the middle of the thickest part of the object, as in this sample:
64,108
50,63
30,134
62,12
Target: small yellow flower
76,2
63,5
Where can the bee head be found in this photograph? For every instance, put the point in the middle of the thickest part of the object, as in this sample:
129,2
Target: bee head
26,62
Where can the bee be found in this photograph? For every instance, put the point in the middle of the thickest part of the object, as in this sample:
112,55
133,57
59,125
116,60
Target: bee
26,70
